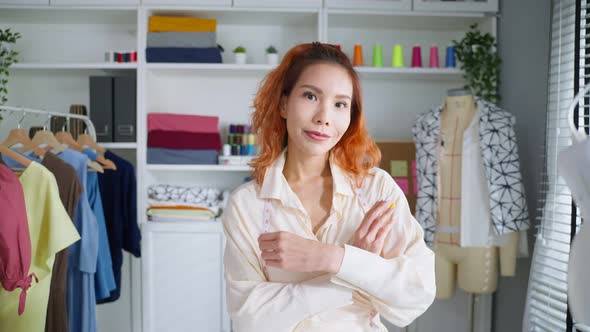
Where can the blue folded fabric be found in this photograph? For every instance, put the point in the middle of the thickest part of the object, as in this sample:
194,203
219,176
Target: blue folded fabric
183,55
181,157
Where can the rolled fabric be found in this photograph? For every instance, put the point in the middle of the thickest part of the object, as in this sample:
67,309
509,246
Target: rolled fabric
182,39
183,122
183,55
179,24
181,157
182,140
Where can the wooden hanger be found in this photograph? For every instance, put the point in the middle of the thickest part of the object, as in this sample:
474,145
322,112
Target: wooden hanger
87,140
64,137
15,156
19,135
45,137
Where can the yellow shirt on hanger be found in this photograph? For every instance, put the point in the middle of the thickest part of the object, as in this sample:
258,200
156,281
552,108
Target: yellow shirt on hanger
50,230
400,285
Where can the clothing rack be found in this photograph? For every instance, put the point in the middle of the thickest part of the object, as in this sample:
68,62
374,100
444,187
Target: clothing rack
68,116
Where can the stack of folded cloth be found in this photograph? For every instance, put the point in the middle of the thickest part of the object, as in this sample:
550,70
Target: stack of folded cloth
182,139
182,39
180,203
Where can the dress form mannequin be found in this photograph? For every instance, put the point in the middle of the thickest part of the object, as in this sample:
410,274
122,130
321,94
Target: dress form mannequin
474,268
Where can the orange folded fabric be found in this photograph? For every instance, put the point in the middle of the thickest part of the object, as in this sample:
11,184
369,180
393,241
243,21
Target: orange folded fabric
181,24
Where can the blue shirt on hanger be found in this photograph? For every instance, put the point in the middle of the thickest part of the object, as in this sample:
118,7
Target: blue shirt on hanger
118,190
83,255
104,279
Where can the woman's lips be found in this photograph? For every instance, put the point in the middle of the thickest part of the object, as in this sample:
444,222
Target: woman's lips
317,136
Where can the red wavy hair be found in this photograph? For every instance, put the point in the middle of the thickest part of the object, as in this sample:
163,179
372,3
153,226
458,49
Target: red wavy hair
356,152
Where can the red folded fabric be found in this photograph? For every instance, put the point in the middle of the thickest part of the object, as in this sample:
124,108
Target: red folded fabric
181,140
183,122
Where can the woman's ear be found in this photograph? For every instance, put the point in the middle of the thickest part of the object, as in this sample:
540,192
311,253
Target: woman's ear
283,106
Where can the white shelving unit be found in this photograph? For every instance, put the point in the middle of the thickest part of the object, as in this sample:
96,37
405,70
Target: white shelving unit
63,45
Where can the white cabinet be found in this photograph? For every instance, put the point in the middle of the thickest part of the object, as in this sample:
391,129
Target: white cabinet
278,3
183,288
24,2
401,5
221,3
456,5
94,2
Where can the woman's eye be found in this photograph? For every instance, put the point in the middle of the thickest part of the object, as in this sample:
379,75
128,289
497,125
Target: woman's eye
310,96
341,105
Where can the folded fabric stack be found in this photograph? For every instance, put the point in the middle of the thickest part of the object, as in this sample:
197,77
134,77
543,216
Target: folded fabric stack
182,39
180,203
182,139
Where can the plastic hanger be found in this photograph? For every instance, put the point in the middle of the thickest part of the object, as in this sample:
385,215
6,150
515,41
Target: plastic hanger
87,140
578,135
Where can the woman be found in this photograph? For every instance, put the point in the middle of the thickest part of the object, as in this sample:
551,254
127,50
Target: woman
320,240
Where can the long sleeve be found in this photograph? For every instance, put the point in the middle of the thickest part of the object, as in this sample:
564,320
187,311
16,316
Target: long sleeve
131,233
401,282
257,305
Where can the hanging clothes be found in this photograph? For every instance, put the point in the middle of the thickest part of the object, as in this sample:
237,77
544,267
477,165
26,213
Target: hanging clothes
118,191
499,153
70,190
50,230
15,243
104,279
81,296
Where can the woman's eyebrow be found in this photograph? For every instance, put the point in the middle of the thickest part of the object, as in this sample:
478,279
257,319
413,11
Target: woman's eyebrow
319,91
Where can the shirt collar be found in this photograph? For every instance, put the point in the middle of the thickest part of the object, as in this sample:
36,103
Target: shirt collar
275,185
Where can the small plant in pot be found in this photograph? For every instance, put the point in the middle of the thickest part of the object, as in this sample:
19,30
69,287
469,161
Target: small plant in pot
240,53
272,56
8,56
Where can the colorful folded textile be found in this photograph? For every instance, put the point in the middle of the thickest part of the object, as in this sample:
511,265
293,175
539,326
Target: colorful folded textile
154,202
181,157
183,55
183,122
178,24
183,140
182,39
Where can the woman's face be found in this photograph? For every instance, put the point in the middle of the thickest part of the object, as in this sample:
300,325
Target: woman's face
318,110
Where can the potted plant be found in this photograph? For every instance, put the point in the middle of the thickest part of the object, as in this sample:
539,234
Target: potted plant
481,63
272,56
8,56
240,53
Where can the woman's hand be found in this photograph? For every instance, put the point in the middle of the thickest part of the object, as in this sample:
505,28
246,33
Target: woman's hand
291,252
375,228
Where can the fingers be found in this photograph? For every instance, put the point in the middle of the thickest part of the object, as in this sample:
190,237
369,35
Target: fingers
270,236
381,237
380,222
375,211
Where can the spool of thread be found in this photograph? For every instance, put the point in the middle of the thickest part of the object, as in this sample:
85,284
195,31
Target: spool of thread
450,58
398,56
377,56
357,59
433,62
416,57
235,150
226,149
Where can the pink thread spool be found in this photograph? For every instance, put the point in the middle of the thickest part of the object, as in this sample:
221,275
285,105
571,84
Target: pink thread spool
433,63
416,57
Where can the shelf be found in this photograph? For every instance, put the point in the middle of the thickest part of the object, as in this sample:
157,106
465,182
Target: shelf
210,66
75,66
203,168
118,145
418,73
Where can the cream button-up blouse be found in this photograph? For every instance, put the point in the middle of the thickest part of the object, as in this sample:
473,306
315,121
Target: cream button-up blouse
400,285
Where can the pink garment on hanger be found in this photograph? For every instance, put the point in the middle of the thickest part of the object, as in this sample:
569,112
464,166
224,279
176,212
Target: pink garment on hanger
15,243
183,122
